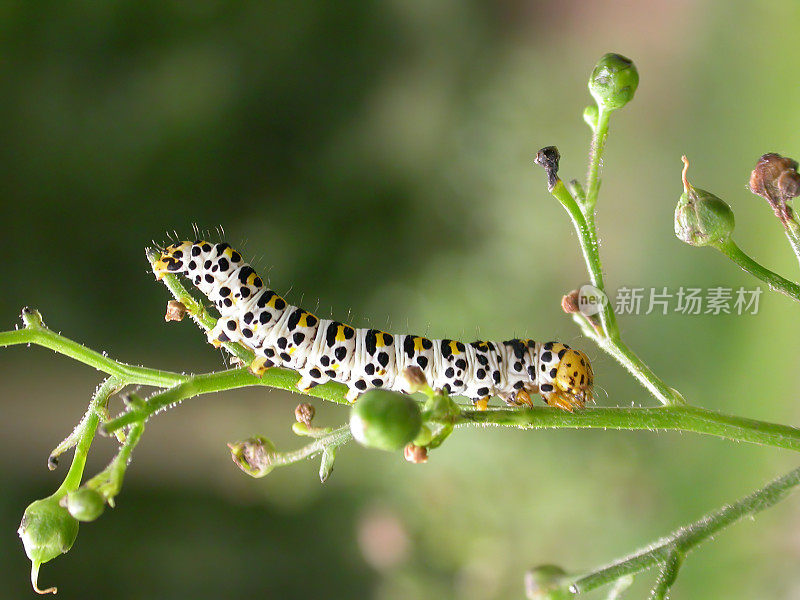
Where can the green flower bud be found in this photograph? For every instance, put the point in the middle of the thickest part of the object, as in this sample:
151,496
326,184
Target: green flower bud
254,456
47,531
84,504
701,218
385,420
546,582
613,82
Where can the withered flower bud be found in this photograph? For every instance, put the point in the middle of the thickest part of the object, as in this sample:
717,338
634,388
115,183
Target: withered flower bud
304,413
416,454
776,179
570,303
176,311
254,456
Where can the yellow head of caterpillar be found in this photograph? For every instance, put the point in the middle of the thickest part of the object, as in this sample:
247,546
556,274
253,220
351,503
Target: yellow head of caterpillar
574,381
171,255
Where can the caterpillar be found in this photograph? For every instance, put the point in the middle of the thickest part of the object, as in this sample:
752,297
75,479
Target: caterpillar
321,350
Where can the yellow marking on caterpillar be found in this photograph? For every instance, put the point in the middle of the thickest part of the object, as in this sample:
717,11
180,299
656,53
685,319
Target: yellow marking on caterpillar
454,347
418,344
340,337
379,341
573,381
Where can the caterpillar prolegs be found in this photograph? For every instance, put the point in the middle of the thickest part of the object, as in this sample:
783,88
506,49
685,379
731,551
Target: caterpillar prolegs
321,350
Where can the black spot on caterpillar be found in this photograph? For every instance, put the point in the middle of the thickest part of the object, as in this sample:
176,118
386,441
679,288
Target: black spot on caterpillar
322,350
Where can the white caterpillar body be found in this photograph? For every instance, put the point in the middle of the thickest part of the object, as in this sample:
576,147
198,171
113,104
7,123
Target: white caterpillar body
321,350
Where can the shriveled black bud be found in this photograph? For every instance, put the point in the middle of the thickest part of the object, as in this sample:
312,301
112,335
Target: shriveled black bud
548,158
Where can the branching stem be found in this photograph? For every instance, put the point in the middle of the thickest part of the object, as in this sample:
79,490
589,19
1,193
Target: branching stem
678,418
671,549
772,279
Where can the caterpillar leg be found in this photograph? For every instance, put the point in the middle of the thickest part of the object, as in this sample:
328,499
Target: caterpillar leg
305,383
226,330
518,398
352,395
523,397
564,401
260,365
481,403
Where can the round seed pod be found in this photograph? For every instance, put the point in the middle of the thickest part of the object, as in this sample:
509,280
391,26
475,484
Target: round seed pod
47,530
701,218
85,504
385,420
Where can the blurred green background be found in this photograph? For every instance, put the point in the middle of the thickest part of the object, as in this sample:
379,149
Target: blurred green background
374,159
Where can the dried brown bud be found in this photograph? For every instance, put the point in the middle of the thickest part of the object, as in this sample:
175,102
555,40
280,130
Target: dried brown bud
570,303
176,311
775,176
254,456
416,454
304,413
776,179
415,377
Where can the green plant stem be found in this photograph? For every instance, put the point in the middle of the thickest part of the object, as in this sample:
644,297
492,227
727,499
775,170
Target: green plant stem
197,385
196,310
599,137
772,279
679,418
42,336
608,338
88,429
591,255
793,234
687,538
109,480
620,585
667,575
694,419
181,386
637,367
334,439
